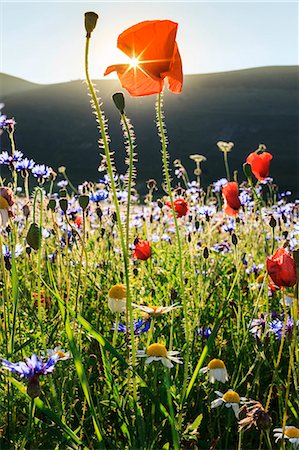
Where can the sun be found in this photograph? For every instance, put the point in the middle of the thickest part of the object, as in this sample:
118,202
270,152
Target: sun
134,62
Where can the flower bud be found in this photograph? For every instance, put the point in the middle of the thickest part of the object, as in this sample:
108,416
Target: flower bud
119,101
63,203
62,193
83,201
33,237
26,211
51,204
90,22
206,253
272,222
247,170
234,239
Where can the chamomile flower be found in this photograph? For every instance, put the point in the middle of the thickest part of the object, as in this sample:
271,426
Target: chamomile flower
231,399
290,433
217,371
59,353
156,310
117,298
158,352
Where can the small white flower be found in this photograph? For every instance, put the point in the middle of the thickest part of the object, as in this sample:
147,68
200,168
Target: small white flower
158,352
231,399
59,353
156,310
290,433
217,371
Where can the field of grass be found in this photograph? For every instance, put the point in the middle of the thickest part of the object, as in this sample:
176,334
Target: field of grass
155,325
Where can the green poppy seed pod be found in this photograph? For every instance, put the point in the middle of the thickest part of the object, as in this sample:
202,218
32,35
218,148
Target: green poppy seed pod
90,22
83,201
33,387
62,193
247,170
119,101
63,203
52,204
272,222
33,237
234,239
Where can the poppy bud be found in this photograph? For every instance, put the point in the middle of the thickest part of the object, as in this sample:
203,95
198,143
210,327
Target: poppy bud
272,222
33,387
206,253
51,204
281,268
247,170
119,101
114,217
99,212
234,239
83,201
173,294
7,263
142,250
90,22
33,237
63,203
26,211
28,250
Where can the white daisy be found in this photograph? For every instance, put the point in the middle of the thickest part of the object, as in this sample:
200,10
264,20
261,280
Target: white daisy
217,371
290,433
231,399
156,310
158,352
59,353
117,298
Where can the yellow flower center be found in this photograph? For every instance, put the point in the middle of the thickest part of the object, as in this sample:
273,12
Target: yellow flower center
118,291
60,354
154,308
216,364
231,397
292,432
157,350
3,203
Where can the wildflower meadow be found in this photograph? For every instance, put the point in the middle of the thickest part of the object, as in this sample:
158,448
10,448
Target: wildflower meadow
163,322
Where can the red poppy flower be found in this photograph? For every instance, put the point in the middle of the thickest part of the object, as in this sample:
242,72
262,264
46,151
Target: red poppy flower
232,202
181,207
281,268
260,164
142,250
78,221
155,56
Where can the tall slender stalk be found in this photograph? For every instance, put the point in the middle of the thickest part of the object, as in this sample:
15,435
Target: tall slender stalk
163,139
105,142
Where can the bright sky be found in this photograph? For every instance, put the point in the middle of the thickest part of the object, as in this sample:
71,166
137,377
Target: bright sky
44,41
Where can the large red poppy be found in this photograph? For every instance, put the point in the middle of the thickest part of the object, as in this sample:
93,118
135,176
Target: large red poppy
231,198
142,250
152,45
260,164
281,268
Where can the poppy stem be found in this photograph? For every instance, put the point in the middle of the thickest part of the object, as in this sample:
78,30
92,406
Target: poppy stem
163,139
226,165
110,169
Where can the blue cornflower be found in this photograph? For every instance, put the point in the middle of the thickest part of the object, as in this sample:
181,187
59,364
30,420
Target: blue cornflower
217,185
229,226
31,367
99,195
205,332
41,171
276,326
140,326
25,165
7,253
6,123
8,160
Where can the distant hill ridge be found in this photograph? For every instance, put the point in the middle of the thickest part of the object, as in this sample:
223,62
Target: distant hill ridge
55,123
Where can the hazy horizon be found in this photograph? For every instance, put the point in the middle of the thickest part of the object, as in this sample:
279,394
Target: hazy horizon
44,41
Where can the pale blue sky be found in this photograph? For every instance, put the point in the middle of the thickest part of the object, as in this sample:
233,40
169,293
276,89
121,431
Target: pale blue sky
44,41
